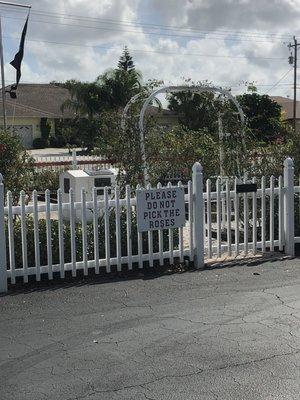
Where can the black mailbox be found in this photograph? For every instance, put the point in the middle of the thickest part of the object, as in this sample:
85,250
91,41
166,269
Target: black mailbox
246,188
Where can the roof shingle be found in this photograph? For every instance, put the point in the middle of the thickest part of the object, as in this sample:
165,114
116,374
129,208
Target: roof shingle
38,100
287,105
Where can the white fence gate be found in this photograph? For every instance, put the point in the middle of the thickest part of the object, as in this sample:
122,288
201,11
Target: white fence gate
37,239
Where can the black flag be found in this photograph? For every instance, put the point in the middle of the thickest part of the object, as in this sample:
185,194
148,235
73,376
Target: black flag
17,61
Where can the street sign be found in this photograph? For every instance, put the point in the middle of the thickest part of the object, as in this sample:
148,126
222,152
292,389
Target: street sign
246,187
160,208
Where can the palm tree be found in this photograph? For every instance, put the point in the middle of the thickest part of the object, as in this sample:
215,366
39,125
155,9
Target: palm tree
85,98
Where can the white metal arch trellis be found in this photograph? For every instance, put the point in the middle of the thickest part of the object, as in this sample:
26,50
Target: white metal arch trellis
126,109
176,89
133,100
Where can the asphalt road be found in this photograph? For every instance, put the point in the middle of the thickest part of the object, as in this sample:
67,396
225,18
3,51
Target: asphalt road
224,333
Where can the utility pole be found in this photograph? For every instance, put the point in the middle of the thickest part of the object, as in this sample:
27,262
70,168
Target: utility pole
2,77
293,60
2,58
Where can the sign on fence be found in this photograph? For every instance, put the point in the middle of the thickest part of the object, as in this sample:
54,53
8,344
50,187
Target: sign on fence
160,208
246,188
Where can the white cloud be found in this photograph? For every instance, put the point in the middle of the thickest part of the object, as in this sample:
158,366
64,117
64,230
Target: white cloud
234,14
166,57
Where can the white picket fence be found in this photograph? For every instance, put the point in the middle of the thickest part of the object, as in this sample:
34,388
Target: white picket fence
61,162
220,222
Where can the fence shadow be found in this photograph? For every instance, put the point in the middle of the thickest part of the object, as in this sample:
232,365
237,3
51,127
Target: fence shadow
250,261
92,278
145,274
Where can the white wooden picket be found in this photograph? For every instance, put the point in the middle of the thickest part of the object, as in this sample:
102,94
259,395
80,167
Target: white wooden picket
61,162
219,222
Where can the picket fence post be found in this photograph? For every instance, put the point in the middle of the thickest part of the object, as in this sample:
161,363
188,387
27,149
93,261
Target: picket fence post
198,236
3,261
74,159
289,217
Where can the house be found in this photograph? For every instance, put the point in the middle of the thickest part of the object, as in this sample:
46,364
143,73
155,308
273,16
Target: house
165,118
35,105
287,105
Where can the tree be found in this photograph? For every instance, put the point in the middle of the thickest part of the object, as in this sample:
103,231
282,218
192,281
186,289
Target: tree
168,153
111,90
82,131
195,110
171,154
15,164
45,127
201,111
123,146
125,62
118,86
216,115
263,116
86,99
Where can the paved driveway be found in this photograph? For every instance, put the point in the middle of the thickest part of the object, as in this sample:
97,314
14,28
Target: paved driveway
227,333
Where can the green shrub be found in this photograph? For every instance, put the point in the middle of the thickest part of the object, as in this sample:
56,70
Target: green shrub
16,165
78,236
45,131
45,179
38,143
58,141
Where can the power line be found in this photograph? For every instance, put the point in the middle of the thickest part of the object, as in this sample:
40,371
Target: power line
264,85
153,26
147,51
236,39
277,83
130,23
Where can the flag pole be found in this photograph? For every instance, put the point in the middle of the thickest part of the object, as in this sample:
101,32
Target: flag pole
2,58
8,3
2,76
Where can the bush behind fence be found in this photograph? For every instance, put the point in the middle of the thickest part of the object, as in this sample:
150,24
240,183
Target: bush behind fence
78,239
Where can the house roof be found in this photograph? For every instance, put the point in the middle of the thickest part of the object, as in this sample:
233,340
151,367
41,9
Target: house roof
154,110
287,105
45,100
38,100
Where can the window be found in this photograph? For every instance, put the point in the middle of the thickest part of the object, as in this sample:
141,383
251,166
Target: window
66,185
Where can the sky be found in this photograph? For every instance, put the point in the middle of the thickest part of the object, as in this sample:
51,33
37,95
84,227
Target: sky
225,42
